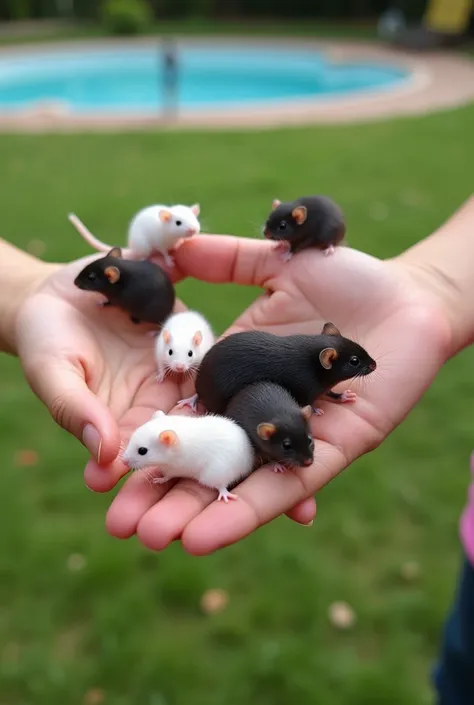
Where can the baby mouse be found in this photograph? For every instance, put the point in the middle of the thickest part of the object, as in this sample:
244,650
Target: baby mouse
153,229
141,288
307,366
182,343
310,221
277,427
213,450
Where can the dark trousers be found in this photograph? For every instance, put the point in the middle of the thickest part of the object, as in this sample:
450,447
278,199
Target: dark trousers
454,674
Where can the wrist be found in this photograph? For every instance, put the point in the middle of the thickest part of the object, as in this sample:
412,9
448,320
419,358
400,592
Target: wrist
441,267
20,276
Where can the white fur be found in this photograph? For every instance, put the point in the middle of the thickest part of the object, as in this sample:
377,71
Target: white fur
213,450
181,329
147,233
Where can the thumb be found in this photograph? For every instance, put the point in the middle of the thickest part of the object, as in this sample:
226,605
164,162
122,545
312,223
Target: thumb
228,259
61,386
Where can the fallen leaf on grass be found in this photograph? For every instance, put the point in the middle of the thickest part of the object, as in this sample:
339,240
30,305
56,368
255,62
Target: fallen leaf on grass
341,615
25,458
410,571
95,696
214,601
76,562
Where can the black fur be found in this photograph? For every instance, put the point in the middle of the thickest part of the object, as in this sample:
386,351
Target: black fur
265,402
323,226
143,290
291,361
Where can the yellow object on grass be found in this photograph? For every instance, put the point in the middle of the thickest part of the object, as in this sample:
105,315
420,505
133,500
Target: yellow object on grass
448,16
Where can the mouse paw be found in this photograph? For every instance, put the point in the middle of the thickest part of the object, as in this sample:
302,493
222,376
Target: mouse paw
169,260
191,402
159,480
348,396
225,495
278,467
317,411
330,249
103,304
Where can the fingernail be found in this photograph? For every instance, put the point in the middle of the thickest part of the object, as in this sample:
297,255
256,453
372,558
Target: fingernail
92,441
310,523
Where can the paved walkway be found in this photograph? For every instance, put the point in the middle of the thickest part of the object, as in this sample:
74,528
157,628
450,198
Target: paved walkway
438,81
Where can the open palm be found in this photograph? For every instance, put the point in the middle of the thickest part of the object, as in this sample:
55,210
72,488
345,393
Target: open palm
92,367
379,303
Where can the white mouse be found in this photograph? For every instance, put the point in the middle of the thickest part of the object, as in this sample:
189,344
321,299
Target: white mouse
183,341
153,229
213,450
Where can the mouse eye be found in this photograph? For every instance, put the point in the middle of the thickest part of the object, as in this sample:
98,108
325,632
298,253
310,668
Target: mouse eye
282,225
92,276
354,361
190,353
170,352
310,438
179,222
286,444
142,451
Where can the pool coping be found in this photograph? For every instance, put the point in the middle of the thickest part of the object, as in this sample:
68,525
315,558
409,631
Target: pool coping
438,81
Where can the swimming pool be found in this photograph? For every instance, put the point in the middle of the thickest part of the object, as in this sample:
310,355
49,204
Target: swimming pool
120,80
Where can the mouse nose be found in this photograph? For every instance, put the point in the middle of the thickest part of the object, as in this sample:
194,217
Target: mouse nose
307,462
179,367
373,366
191,231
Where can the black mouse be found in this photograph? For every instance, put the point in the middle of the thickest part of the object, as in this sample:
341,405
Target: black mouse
309,221
141,288
307,366
276,426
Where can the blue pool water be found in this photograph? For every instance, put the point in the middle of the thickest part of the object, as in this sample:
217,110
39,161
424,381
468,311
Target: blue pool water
129,79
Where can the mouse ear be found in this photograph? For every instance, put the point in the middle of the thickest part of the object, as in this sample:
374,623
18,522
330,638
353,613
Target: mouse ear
266,430
115,252
168,438
275,203
196,209
299,214
330,329
197,338
158,413
112,274
307,412
165,216
166,336
327,357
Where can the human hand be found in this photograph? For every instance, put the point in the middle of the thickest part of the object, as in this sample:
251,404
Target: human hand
383,304
95,371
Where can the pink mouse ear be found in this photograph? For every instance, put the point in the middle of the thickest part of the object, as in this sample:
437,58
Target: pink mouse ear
168,438
275,203
197,338
196,209
165,216
166,337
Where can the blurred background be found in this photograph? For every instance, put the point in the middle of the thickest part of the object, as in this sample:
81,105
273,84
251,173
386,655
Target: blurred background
85,618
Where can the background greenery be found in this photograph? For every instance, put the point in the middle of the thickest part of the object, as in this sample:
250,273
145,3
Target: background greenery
89,9
85,618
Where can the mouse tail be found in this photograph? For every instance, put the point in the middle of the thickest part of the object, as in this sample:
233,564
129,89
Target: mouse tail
87,235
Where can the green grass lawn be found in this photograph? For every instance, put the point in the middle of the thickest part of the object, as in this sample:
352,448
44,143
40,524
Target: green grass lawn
88,619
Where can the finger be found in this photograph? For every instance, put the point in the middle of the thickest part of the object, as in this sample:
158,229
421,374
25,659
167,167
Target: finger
262,497
134,499
151,397
61,385
303,512
157,519
234,259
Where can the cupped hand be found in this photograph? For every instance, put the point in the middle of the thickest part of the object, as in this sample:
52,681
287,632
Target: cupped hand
379,303
95,371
